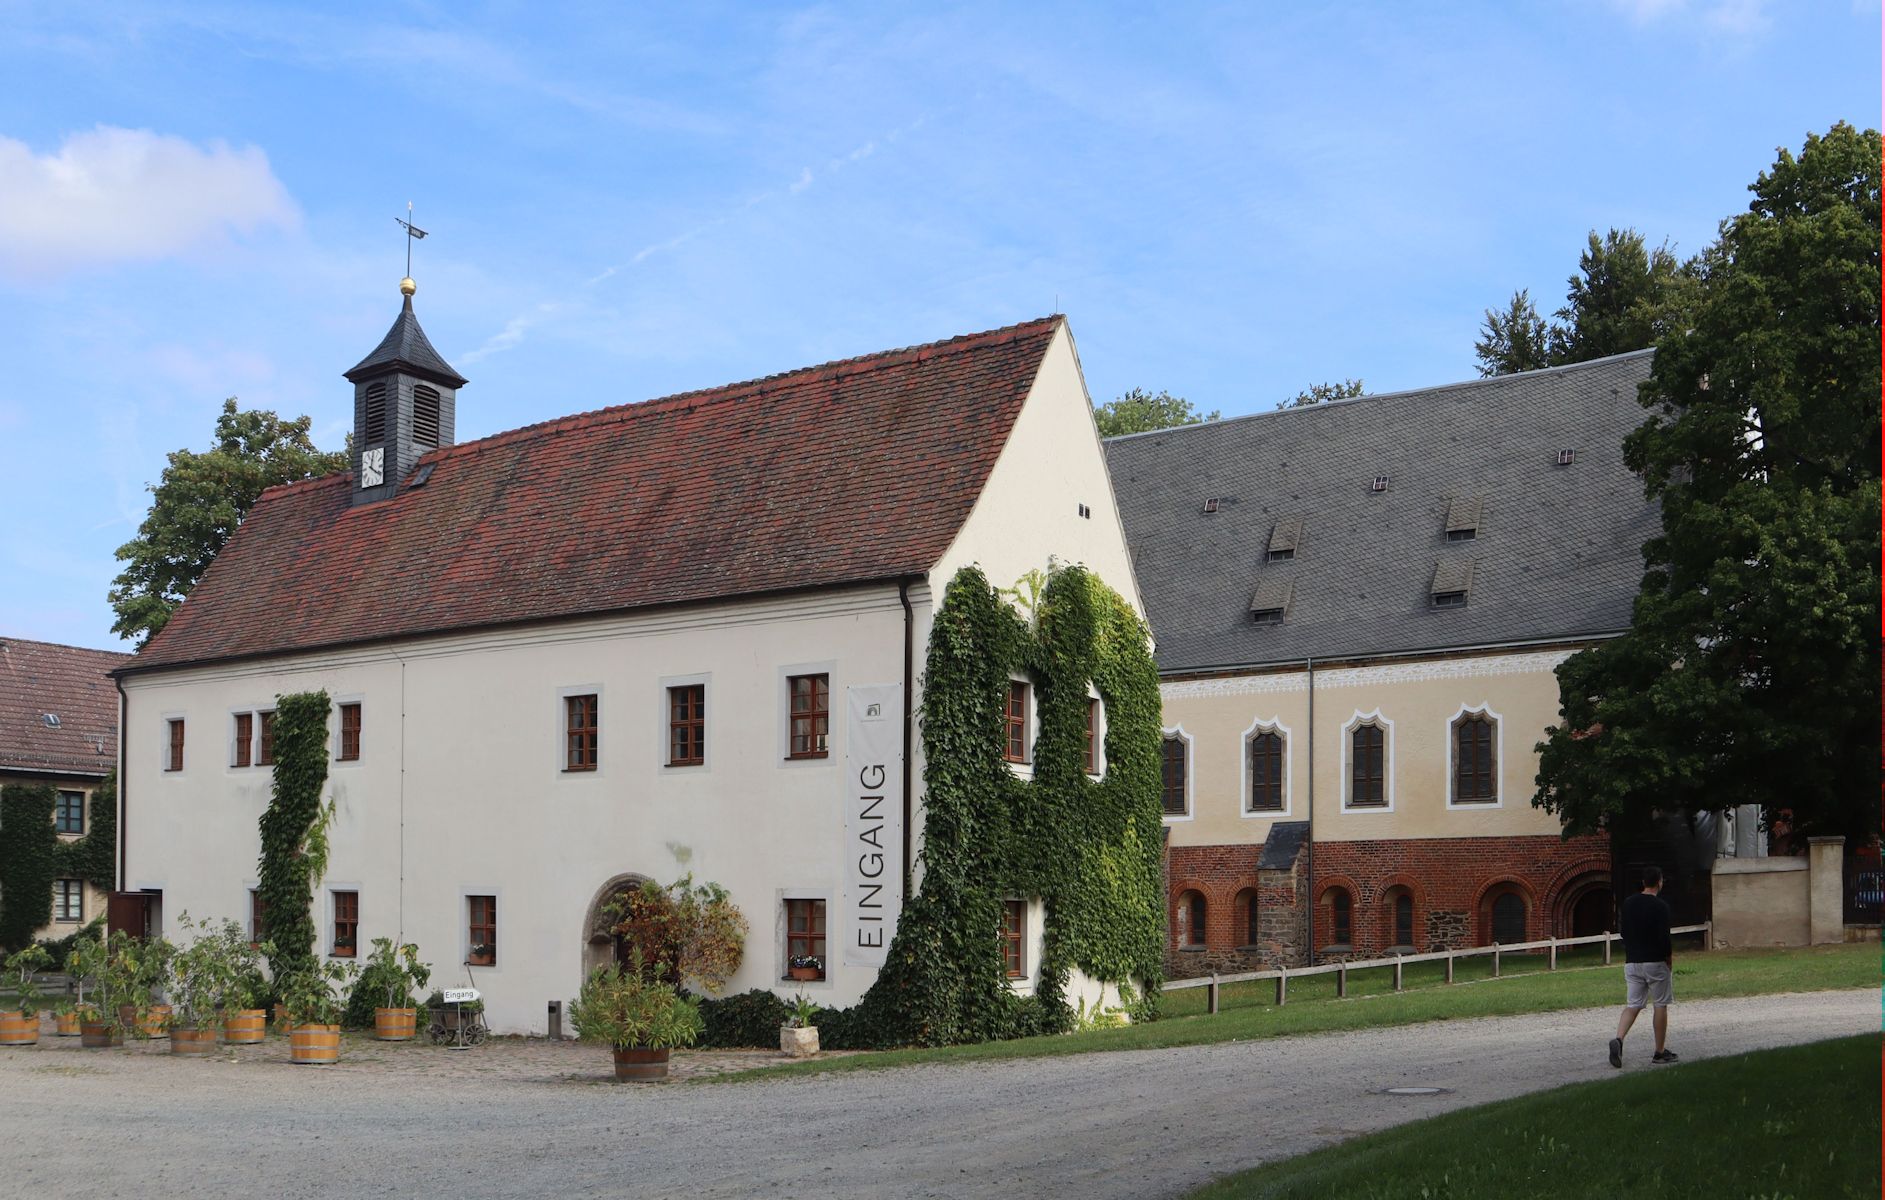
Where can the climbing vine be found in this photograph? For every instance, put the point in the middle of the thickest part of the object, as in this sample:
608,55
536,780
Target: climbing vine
32,856
292,843
1089,848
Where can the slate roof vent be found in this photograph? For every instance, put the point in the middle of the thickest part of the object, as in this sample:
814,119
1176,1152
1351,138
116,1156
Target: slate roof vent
1270,604
1452,580
1566,457
1380,484
1462,518
51,720
1210,506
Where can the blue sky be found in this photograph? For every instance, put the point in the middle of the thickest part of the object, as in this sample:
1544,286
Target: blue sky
1229,202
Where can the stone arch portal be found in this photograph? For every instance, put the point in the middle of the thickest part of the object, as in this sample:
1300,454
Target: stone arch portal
602,948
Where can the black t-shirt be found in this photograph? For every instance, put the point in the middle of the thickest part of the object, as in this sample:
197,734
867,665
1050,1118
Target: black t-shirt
1645,929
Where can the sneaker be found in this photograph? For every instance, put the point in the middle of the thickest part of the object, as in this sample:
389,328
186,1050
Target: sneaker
1616,1052
1663,1056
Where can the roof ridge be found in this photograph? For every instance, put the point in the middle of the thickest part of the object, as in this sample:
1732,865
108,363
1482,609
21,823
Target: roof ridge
739,389
1399,394
7,639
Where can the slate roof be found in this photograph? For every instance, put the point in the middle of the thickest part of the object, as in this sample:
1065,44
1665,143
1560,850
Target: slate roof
1284,843
1557,553
72,684
406,348
843,473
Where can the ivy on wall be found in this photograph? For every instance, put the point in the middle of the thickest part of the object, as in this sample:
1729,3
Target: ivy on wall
286,873
32,856
1089,848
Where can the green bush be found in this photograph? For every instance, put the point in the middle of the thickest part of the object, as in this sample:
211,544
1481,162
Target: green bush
748,1019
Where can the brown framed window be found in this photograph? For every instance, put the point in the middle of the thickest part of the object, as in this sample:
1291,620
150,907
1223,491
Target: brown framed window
1508,918
1014,924
68,900
266,750
258,911
349,733
1341,917
579,739
1403,918
68,814
1172,791
1475,769
687,725
811,715
805,934
245,737
1016,714
1092,761
173,754
1367,786
1266,772
481,931
346,924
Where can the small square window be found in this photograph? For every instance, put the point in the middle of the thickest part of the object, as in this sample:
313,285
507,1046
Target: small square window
68,816
68,900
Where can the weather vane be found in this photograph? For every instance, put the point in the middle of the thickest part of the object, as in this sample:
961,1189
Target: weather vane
413,233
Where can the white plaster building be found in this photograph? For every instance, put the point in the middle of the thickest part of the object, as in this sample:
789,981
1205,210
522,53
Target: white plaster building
566,657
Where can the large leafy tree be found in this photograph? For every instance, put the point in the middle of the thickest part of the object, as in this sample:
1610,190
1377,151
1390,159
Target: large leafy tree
1517,339
1142,412
197,506
1322,393
1751,672
1623,297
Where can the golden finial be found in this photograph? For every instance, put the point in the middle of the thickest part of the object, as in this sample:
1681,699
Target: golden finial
407,287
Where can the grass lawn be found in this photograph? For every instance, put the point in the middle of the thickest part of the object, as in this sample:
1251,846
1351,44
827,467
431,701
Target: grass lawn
1799,1122
1249,1012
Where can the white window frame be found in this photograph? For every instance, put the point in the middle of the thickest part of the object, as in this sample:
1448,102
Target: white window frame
1498,760
1030,727
1099,733
85,810
1371,717
58,900
1191,762
1265,725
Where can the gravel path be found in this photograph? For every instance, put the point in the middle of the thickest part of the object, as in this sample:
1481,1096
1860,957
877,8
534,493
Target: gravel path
1091,1126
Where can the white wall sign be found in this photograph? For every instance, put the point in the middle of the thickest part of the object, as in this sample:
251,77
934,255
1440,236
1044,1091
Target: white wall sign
873,822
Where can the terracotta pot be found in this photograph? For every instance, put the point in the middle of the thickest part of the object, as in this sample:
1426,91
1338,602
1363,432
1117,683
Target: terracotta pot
318,1045
244,1026
797,1041
18,1029
480,960
155,1022
98,1034
633,1063
395,1024
802,973
197,1043
67,1024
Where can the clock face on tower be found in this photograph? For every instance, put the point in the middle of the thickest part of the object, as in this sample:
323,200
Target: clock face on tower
373,467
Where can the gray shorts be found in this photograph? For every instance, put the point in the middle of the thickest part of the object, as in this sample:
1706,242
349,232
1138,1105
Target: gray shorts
1647,982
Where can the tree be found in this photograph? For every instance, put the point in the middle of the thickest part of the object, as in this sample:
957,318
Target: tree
197,506
1140,412
1514,340
1322,393
1622,298
1751,672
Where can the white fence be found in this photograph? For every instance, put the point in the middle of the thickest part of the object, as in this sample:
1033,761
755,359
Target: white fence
1340,970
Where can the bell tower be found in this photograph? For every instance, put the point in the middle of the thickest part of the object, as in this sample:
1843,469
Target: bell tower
405,401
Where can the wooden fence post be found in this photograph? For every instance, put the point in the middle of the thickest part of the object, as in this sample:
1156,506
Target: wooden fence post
1608,934
1341,981
1397,973
1282,989
1449,966
1495,960
1552,963
1210,995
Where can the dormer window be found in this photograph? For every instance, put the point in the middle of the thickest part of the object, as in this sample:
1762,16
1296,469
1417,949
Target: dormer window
1284,536
1452,580
1270,603
1462,518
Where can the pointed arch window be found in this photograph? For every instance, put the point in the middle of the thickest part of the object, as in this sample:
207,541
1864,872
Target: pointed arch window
1266,749
1367,766
1174,790
1475,759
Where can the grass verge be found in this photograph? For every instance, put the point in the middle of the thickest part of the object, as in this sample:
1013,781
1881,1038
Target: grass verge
1797,1122
1313,1008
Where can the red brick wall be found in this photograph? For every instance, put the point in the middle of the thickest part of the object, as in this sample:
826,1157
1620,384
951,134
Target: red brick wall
1452,880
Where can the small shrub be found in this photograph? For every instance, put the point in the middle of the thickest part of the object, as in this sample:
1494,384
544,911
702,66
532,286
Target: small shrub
748,1019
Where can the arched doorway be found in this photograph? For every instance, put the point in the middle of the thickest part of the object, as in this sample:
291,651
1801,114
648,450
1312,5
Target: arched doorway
1588,908
600,946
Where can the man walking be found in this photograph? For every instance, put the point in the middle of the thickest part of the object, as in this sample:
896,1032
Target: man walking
1648,959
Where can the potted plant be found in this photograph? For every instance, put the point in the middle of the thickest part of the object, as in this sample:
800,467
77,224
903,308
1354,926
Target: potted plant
640,1019
447,1016
91,959
72,1008
20,1025
214,974
139,969
481,954
244,987
396,973
798,1037
313,998
805,967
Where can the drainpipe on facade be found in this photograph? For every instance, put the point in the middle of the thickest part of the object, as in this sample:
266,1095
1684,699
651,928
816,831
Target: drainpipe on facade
1309,838
909,661
124,707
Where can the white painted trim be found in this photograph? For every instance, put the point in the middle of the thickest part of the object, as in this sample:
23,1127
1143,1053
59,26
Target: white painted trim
665,769
1475,667
1099,733
561,762
1498,759
1178,731
1261,725
1371,717
1030,722
782,730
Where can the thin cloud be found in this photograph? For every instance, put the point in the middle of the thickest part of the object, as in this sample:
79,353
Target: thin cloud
114,195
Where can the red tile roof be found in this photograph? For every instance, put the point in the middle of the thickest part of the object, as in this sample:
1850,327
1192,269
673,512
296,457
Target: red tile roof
37,678
852,471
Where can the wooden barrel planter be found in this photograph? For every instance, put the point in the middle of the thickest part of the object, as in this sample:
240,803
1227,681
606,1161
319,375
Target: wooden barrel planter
155,1022
196,1043
245,1027
67,1024
317,1045
97,1034
18,1029
634,1064
395,1024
